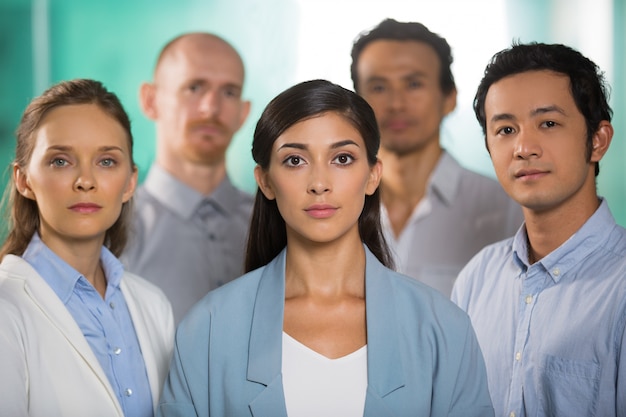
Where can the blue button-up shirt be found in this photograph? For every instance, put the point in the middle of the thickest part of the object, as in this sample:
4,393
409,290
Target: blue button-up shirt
553,334
106,323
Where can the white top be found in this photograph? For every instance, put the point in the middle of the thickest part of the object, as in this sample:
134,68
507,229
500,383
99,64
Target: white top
315,385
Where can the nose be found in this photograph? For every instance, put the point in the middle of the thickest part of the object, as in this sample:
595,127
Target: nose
526,146
319,183
397,99
85,181
210,103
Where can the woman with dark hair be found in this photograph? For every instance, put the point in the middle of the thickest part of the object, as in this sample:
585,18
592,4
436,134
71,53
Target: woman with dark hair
320,326
78,335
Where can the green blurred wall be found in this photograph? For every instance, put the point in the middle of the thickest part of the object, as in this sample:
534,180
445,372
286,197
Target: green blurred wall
116,41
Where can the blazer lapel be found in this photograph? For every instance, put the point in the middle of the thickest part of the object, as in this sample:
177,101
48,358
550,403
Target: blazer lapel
265,350
385,372
53,308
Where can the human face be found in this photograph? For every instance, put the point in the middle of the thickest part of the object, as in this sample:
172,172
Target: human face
79,174
537,139
196,100
319,176
401,81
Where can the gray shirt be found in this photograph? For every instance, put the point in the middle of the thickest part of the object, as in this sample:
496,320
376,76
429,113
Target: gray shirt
461,213
185,242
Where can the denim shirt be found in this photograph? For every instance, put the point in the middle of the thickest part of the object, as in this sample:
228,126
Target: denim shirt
552,333
106,323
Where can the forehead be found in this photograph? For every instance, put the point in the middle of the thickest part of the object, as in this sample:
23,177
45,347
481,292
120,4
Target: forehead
324,130
202,58
80,125
388,57
521,94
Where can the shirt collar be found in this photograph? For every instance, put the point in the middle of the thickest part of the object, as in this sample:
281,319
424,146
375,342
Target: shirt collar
62,277
184,200
573,250
445,179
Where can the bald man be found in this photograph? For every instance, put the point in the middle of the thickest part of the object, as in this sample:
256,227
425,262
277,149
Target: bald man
191,223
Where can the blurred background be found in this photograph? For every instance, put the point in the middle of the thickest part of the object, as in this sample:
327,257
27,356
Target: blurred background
283,42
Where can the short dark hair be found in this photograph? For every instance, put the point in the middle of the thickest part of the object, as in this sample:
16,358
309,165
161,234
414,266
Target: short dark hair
23,217
390,29
268,235
587,83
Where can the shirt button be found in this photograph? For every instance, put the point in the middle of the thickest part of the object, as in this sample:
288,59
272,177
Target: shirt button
518,356
556,272
117,350
112,305
128,392
528,299
512,414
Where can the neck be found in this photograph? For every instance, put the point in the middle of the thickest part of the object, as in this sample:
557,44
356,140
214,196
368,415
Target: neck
82,255
201,177
325,270
406,176
550,229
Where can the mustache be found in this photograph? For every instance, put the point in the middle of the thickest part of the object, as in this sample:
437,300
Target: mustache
207,123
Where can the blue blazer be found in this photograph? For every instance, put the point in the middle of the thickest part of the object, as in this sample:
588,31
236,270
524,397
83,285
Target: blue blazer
422,355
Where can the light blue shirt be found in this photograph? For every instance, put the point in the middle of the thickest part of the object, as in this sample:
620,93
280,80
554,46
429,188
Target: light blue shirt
106,323
552,333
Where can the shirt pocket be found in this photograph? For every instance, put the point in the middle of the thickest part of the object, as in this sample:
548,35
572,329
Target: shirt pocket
567,387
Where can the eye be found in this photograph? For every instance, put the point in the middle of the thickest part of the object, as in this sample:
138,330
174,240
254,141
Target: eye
344,159
108,162
59,162
194,87
231,92
377,89
507,130
414,84
293,161
549,124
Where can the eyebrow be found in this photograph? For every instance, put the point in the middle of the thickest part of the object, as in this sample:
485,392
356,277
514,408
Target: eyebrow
335,145
64,148
410,76
534,112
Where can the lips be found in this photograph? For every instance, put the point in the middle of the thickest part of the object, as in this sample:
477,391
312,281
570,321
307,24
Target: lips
320,211
529,173
396,124
85,208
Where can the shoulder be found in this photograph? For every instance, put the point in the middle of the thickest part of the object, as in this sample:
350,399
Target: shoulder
234,299
490,263
411,295
143,291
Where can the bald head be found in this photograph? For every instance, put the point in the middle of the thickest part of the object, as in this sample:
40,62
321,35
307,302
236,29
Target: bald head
200,42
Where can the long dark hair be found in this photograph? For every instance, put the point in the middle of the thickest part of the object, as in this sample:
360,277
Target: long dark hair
23,216
268,234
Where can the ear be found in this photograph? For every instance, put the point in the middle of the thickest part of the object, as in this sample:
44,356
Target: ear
147,100
261,177
449,102
132,184
243,114
374,180
601,140
22,184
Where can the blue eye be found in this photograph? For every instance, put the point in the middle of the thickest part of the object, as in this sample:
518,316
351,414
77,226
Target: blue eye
108,162
59,162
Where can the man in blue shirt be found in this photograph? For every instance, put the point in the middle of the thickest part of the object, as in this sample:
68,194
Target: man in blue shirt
549,304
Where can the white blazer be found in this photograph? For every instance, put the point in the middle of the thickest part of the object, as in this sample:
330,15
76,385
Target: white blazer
47,367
